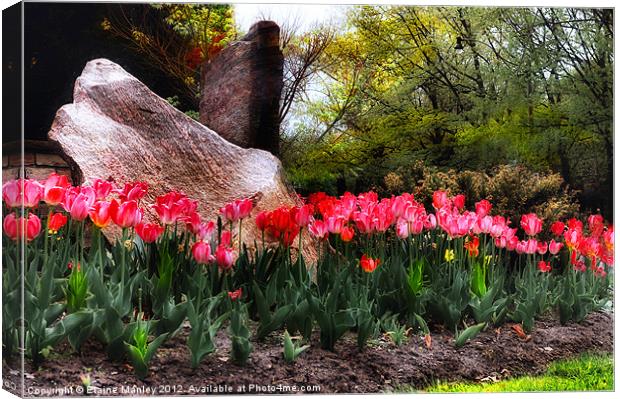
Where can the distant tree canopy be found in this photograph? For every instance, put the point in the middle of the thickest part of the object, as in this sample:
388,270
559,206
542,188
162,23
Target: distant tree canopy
464,88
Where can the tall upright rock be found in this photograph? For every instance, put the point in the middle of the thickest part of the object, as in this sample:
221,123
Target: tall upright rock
241,88
116,127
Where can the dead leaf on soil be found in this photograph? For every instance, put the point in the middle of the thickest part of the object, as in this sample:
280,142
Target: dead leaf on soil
490,378
428,341
519,330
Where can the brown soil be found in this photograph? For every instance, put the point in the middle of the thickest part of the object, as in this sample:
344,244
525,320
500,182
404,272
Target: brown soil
494,354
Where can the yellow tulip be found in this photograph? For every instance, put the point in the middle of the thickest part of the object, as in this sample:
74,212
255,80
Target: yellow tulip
449,256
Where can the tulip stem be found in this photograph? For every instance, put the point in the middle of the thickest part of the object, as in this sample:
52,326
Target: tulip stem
240,220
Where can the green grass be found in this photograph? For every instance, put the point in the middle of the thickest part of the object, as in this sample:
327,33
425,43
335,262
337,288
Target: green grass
584,373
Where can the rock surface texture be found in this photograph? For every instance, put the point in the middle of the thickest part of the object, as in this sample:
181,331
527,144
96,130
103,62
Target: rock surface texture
116,127
241,88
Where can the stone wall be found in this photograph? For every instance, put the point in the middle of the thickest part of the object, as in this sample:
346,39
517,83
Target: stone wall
241,89
40,159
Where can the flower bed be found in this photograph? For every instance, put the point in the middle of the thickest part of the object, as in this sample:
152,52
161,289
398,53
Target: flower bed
384,266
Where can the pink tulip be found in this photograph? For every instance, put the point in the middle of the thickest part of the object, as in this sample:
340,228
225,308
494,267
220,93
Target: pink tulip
78,202
318,229
33,227
102,188
236,210
531,224
225,257
363,222
554,247
430,222
126,214
202,252
335,224
303,217
205,231
402,230
32,191
9,226
13,226
11,193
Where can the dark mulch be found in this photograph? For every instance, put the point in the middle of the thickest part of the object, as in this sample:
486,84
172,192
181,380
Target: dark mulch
494,354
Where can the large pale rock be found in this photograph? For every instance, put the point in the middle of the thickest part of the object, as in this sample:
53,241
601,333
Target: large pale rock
116,127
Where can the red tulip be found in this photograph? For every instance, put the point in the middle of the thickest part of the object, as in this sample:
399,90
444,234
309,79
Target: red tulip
127,214
369,264
262,220
225,238
149,232
78,201
554,247
471,245
459,201
608,238
596,225
54,189
132,191
100,214
483,208
531,224
544,267
557,228
346,234
192,222
542,248
440,198
575,224
225,257
234,295
56,222
572,238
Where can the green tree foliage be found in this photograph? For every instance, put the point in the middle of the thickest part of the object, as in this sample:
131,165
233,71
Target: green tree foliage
464,88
